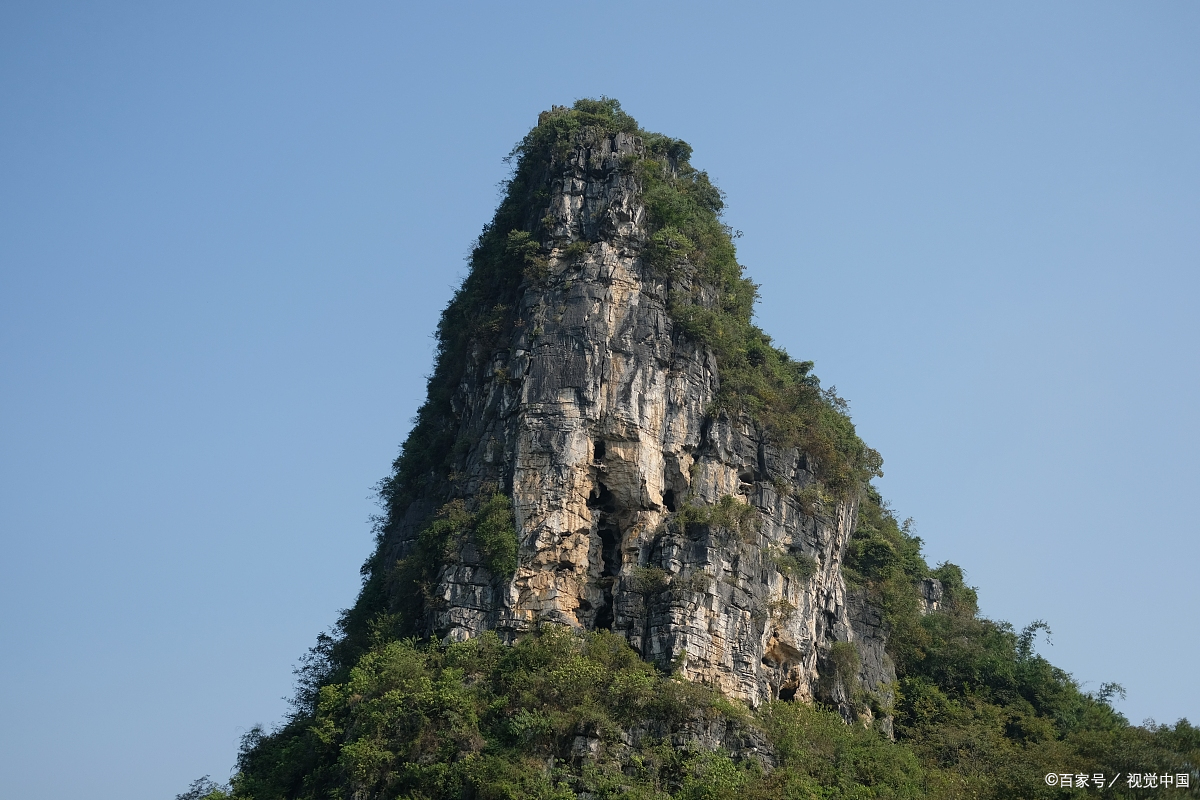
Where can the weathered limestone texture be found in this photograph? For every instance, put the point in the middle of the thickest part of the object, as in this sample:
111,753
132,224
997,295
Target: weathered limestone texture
593,415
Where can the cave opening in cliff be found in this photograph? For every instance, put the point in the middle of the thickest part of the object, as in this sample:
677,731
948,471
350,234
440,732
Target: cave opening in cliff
669,500
610,549
610,546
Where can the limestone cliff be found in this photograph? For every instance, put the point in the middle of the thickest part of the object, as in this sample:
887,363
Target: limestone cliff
617,481
640,503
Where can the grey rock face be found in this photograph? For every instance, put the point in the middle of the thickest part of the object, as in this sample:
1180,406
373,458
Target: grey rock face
930,596
593,416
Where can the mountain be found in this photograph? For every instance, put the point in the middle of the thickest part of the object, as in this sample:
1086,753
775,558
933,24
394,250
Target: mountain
631,549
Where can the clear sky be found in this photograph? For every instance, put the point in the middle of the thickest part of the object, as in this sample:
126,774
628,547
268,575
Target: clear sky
227,229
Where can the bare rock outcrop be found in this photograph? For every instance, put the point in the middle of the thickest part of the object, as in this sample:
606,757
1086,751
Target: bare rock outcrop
594,416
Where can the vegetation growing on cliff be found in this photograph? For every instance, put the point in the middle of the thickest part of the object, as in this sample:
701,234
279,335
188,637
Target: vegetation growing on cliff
711,302
560,712
978,713
482,719
490,528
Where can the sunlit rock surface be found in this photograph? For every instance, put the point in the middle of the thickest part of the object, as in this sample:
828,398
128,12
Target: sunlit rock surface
593,416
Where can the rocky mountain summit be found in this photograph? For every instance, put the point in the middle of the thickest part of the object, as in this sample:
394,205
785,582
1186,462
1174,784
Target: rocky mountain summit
631,549
640,504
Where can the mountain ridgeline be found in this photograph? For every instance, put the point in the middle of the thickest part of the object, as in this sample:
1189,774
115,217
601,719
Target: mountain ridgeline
631,549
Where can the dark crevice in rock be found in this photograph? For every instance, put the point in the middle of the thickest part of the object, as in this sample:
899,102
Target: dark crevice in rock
609,532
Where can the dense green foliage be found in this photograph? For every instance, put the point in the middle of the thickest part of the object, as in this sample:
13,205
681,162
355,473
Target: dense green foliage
978,713
975,700
481,719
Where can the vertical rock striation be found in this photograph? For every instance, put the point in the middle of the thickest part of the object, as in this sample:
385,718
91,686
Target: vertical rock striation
637,506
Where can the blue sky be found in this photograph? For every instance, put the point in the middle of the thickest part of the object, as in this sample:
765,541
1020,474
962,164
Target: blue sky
226,231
